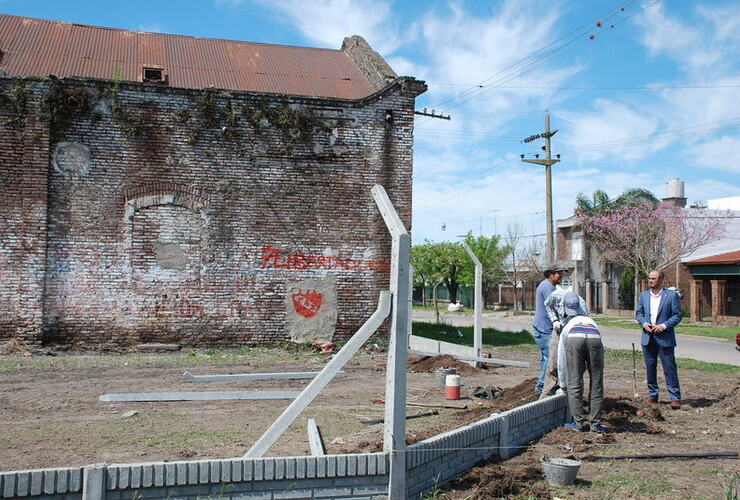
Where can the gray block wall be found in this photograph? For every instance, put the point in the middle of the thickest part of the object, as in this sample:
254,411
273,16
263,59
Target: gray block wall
444,457
333,476
429,463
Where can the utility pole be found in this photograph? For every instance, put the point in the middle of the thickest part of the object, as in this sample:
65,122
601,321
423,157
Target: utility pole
548,162
495,229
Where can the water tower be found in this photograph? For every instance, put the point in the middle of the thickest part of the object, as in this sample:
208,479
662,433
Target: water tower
674,193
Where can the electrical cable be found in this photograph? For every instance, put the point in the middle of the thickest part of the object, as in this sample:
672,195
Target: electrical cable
540,59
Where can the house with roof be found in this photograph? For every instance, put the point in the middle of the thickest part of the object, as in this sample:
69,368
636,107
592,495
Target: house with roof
707,278
175,189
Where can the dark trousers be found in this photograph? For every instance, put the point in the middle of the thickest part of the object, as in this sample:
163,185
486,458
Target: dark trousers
582,354
652,352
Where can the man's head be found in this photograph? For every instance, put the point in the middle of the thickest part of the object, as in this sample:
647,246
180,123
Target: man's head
554,274
572,305
655,279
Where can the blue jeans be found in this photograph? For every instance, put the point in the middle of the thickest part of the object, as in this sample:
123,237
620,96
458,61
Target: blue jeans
543,342
652,352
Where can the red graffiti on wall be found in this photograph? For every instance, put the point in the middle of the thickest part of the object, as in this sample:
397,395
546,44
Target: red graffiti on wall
275,258
307,302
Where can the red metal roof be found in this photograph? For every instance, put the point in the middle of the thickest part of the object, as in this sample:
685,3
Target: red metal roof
723,258
37,47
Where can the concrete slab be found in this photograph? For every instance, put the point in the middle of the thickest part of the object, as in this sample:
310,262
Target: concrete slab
198,396
238,377
497,361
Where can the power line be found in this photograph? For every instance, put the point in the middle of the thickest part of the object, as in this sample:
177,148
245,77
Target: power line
670,134
532,55
634,87
546,57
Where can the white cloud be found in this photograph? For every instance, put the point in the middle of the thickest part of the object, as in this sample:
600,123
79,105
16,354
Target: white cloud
720,153
227,3
464,48
610,129
700,43
328,22
150,28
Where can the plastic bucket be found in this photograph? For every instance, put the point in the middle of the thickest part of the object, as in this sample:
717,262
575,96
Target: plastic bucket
560,471
441,375
452,387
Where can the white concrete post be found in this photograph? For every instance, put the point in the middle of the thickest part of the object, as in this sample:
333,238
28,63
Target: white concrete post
314,439
321,380
478,302
93,482
394,432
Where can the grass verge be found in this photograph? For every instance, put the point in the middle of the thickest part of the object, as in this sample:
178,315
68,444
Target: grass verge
523,342
720,332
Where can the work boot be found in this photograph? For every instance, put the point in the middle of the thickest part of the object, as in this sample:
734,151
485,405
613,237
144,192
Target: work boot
650,399
676,404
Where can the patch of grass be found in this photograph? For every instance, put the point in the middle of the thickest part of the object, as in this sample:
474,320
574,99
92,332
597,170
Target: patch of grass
187,438
463,335
629,485
442,309
705,366
190,358
686,363
721,332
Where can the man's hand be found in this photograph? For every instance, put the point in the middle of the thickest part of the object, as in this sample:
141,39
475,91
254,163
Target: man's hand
557,326
658,328
648,327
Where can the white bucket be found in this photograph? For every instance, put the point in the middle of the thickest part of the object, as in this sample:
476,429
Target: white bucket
452,387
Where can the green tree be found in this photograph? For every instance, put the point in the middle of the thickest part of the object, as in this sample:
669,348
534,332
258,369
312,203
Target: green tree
491,257
627,288
439,263
601,204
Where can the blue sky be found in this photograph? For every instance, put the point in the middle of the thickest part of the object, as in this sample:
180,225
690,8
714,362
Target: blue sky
639,95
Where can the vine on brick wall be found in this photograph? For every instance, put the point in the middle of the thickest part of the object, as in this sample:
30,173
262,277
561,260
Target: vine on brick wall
133,123
293,124
14,99
61,104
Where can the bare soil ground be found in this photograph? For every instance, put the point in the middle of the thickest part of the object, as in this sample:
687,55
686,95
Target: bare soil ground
51,416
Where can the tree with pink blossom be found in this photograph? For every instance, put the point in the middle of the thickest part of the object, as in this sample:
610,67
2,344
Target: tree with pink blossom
647,236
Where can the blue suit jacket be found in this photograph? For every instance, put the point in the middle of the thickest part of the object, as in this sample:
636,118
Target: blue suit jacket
669,314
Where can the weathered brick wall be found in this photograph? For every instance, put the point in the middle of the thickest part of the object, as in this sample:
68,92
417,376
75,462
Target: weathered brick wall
23,211
194,216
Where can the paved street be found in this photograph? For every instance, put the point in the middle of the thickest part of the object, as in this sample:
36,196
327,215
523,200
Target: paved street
689,346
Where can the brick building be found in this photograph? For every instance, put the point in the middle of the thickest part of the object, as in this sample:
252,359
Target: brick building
161,188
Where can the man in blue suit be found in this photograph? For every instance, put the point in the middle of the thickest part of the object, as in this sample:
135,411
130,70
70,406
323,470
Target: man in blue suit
659,311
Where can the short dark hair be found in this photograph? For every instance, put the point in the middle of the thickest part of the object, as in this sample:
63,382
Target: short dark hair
553,270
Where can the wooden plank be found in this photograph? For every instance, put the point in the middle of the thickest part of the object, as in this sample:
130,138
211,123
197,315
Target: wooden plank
246,377
198,396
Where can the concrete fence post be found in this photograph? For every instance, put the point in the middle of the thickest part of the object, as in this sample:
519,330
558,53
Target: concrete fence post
93,482
504,436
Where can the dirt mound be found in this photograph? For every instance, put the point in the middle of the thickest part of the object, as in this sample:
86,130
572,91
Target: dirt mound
626,415
428,364
519,478
513,397
15,346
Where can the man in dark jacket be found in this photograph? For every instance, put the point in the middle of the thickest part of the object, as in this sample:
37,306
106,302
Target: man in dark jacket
658,312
